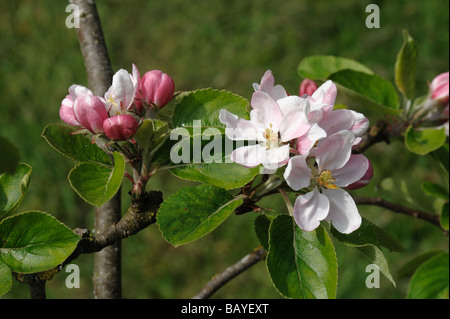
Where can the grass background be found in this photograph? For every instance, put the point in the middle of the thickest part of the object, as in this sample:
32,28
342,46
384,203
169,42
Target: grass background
225,44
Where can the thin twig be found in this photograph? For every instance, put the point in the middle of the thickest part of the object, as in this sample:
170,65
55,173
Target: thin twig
415,213
231,272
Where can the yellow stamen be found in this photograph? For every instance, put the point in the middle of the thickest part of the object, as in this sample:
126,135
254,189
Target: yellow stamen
326,180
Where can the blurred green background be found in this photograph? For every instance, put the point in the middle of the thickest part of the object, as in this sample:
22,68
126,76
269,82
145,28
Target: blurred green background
225,44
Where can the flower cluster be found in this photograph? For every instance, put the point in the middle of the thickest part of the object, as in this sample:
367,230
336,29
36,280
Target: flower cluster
117,114
314,142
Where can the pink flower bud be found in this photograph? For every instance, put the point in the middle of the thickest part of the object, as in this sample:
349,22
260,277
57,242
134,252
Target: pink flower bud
120,127
66,111
439,88
307,87
156,88
90,112
364,180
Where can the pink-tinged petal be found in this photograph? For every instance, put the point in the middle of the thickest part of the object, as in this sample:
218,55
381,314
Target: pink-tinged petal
439,88
90,112
337,120
326,93
355,168
120,127
364,180
157,88
267,111
306,143
334,151
307,87
291,103
267,86
294,124
66,111
360,124
343,213
276,157
75,90
248,156
121,92
238,129
297,174
310,209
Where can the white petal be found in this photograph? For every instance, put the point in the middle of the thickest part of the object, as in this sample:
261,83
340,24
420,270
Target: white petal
305,143
337,120
310,209
239,129
352,171
297,174
294,124
334,151
276,157
248,156
266,110
343,213
360,125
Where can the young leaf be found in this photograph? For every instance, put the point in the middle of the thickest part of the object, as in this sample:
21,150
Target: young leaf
367,90
301,264
193,212
320,67
205,105
424,141
13,188
35,241
434,190
95,183
431,280
74,146
405,66
9,156
5,278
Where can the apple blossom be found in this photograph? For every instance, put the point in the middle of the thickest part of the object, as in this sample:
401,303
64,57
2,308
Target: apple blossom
121,94
90,112
335,168
307,87
66,110
273,124
439,88
156,88
120,127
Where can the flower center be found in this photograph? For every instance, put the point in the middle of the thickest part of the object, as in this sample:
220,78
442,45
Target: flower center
272,138
326,180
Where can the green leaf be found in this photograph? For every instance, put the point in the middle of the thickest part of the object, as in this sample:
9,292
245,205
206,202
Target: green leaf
205,105
368,233
95,183
35,241
443,218
262,224
9,156
434,190
5,278
405,66
193,212
442,157
424,141
408,269
431,280
74,146
13,188
301,264
364,90
224,175
320,67
369,239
